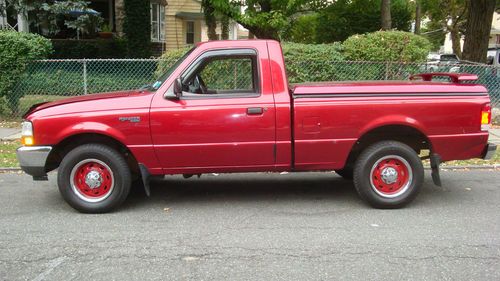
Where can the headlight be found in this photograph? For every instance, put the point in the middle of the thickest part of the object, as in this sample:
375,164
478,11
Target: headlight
27,133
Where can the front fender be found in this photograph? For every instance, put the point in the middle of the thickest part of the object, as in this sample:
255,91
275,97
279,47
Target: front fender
91,127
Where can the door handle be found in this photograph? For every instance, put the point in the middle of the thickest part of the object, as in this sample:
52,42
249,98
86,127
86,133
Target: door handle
255,110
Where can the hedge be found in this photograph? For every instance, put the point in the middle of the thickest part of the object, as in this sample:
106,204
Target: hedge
304,62
90,49
16,50
320,62
387,46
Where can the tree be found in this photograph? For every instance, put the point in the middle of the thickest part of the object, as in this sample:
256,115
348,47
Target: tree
264,18
385,12
224,27
210,19
44,15
344,18
303,29
477,34
449,15
137,28
211,16
418,16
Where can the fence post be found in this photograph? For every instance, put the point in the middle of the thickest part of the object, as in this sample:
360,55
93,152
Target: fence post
85,76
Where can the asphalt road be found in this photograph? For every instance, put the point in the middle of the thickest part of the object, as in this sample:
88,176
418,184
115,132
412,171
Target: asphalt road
254,227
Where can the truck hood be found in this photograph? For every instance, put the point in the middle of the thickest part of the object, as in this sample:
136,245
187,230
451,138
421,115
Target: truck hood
83,98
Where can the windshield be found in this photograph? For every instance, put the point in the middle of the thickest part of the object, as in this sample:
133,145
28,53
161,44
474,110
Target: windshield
449,58
157,84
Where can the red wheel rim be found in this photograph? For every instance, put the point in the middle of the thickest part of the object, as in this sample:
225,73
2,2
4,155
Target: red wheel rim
391,176
92,180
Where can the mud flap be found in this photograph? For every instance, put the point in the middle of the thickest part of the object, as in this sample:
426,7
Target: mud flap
146,177
435,161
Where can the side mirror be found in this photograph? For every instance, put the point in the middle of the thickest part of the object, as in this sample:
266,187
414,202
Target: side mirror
178,88
490,60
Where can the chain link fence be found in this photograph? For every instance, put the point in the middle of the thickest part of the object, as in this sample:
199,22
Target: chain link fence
48,80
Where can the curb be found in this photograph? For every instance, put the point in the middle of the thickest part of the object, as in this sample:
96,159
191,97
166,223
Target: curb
471,167
10,169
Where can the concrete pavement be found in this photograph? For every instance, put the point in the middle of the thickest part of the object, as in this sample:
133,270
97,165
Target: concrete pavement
494,136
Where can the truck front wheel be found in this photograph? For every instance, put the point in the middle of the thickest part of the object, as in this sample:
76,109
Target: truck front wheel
388,174
94,178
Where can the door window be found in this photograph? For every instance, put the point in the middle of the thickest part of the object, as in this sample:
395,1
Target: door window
224,76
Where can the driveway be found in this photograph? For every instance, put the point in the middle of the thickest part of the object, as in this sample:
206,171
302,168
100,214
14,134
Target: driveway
304,226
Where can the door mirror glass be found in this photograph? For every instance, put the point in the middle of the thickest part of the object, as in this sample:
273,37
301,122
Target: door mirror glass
178,88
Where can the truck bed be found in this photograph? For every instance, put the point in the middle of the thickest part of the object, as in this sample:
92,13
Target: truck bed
385,87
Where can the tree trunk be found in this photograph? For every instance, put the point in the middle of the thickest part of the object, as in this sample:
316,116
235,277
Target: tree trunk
455,42
22,22
386,15
477,34
210,20
418,16
225,27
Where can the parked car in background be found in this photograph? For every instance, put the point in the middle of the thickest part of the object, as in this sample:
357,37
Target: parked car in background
442,63
494,60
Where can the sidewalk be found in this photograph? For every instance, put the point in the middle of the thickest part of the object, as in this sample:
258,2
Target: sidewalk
495,136
12,134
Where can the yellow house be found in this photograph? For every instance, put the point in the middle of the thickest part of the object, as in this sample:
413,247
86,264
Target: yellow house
174,23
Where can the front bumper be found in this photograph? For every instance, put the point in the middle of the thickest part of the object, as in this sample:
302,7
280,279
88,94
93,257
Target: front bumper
489,151
32,160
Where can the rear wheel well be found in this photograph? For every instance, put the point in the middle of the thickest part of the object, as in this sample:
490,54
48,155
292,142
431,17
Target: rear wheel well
62,148
401,133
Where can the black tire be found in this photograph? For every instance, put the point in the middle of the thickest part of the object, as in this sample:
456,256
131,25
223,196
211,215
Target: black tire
346,172
377,161
113,178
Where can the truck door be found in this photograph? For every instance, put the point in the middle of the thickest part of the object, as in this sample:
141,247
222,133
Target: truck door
223,120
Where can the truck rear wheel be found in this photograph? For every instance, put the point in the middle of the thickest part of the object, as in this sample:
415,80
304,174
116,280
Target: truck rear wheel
388,174
94,178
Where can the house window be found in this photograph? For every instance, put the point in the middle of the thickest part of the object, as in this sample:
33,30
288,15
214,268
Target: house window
157,22
190,32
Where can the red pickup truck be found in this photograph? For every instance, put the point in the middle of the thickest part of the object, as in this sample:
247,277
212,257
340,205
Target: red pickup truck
226,106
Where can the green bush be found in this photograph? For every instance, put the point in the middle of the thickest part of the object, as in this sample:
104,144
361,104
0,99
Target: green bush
16,50
311,62
89,49
388,46
168,59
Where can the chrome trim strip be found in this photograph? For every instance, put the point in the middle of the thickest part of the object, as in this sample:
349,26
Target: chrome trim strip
355,95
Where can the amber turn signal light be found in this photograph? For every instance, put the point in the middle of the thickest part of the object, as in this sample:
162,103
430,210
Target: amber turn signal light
25,140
